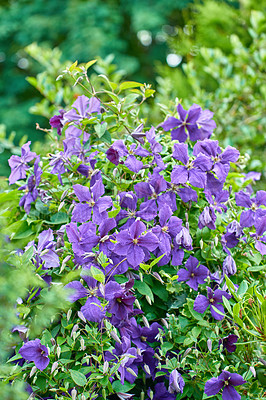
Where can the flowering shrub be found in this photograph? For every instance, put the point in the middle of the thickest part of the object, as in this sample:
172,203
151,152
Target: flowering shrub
155,246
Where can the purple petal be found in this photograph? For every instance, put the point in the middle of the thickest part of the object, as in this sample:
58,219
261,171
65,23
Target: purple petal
201,304
181,152
78,291
93,310
243,199
213,386
133,164
170,123
230,393
215,314
179,174
179,134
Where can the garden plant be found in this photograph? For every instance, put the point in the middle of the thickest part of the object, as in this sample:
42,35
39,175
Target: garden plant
144,251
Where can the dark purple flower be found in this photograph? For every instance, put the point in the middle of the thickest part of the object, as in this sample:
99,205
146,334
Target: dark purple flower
120,299
176,382
233,234
19,165
35,351
228,343
116,151
160,393
249,217
226,381
194,274
57,121
229,266
136,246
213,299
187,122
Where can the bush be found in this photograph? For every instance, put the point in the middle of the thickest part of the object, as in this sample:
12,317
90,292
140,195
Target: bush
145,251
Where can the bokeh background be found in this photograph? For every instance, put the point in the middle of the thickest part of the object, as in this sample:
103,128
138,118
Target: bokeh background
211,52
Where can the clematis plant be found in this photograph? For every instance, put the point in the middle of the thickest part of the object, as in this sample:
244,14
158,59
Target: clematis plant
132,225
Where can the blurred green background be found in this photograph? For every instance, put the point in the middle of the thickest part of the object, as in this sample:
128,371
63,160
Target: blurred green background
208,52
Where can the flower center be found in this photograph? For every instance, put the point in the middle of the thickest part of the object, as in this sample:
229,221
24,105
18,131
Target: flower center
192,274
143,338
211,300
253,206
165,228
135,241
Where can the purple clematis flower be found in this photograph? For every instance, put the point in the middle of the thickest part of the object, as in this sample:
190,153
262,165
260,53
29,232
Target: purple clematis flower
82,108
228,343
90,199
229,266
249,217
176,382
260,238
233,233
226,381
133,244
46,249
213,299
31,187
83,238
194,274
207,218
120,299
57,122
19,165
160,393
193,172
37,352
92,309
187,122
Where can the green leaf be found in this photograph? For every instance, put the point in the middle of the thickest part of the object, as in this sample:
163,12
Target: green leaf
218,311
119,388
78,377
144,289
90,63
100,129
73,66
242,288
97,274
227,305
129,85
58,218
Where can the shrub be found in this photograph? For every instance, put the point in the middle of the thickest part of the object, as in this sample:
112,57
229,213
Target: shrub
146,254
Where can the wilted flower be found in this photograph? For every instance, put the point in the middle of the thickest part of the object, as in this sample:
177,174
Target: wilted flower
176,382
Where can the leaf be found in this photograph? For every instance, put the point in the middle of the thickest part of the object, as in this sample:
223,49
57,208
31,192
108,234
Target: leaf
100,129
119,388
129,85
58,218
242,288
73,66
227,304
90,63
97,274
149,93
144,289
79,378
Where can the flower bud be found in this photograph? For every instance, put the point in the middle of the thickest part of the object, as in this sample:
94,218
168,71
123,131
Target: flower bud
229,266
74,329
58,351
54,366
73,394
147,369
209,345
82,344
130,370
81,316
53,342
32,371
201,244
115,337
105,367
187,352
165,323
69,314
145,321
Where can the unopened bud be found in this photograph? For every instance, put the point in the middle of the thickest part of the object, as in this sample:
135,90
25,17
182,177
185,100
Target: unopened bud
148,300
130,370
165,323
138,351
142,395
74,394
83,397
147,369
187,352
212,245
216,328
82,344
81,316
137,304
158,277
61,205
209,345
32,371
115,172
34,379
186,216
74,329
58,351
196,353
157,356
201,244
69,314
54,366
105,367
151,394
216,241
252,369
145,321
115,337
53,341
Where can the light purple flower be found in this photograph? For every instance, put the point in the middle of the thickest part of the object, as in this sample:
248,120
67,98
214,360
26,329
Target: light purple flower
19,165
249,217
207,218
35,351
229,266
31,187
176,382
82,108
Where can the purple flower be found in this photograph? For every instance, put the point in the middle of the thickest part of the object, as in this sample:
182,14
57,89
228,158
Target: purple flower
160,393
46,249
260,238
228,343
31,187
19,165
233,233
194,274
184,239
176,382
35,351
120,299
192,172
249,217
136,246
83,238
229,266
207,218
57,121
187,122
82,108
226,381
213,299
